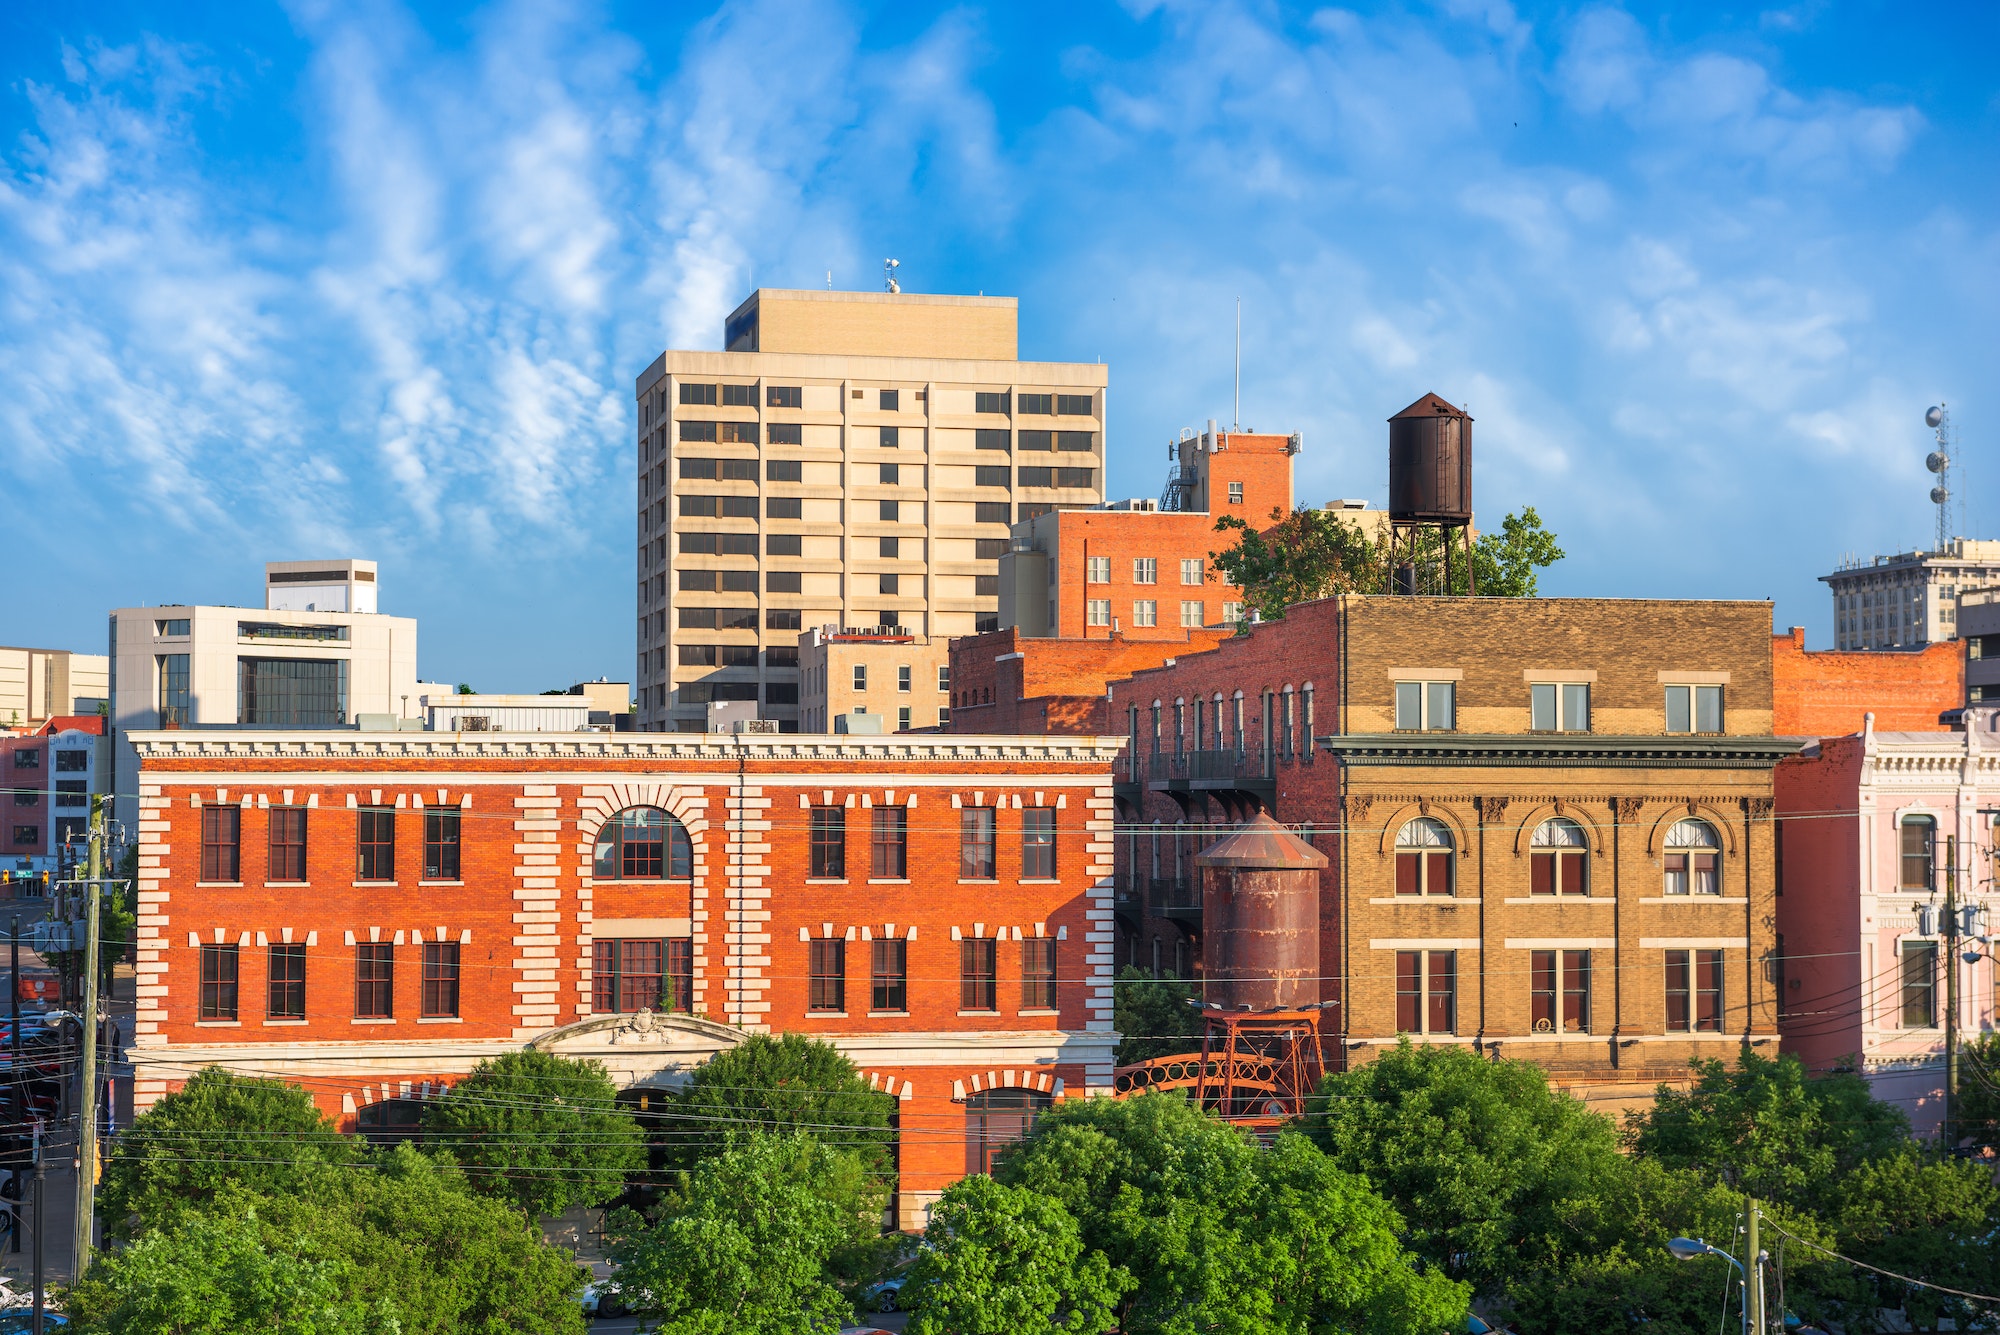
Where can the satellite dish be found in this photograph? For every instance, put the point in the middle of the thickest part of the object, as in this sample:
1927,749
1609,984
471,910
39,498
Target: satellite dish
1933,417
1939,495
1937,461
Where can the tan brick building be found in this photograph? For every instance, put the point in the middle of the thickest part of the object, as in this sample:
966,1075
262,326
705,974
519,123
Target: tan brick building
893,680
1549,820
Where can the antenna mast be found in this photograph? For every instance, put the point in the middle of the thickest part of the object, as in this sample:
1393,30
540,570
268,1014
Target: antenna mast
1939,462
1236,409
889,283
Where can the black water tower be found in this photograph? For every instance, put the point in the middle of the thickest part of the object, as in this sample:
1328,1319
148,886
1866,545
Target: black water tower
1430,497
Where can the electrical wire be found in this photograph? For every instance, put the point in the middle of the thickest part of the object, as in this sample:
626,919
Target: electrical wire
1905,1279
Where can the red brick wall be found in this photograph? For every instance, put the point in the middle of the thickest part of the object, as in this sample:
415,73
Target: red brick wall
1818,907
1824,693
1003,682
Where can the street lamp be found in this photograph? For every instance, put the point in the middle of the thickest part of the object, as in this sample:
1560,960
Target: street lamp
1690,1249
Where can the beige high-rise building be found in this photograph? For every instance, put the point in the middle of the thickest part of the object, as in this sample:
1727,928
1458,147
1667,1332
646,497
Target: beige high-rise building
851,458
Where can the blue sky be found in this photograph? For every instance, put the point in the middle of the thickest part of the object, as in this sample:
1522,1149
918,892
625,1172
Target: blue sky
361,278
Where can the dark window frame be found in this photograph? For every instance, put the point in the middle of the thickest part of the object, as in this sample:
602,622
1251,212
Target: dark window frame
441,980
978,844
375,844
285,844
826,975
443,830
1038,843
827,847
1038,973
222,844
285,981
219,981
979,974
375,980
889,843
889,976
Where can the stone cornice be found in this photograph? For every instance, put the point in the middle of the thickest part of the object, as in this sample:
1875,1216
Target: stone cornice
664,750
1559,750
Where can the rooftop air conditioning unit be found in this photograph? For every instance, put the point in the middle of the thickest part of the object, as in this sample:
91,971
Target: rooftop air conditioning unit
763,727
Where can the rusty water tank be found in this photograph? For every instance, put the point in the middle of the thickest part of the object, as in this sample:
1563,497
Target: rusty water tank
1430,464
1260,918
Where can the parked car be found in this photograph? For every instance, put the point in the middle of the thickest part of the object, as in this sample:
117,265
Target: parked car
602,1298
21,1320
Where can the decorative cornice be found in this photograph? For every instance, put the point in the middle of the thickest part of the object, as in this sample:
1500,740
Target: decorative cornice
1566,750
662,749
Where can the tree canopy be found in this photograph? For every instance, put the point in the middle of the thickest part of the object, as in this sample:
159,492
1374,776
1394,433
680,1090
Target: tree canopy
542,1131
1310,554
783,1083
1003,1260
1152,1016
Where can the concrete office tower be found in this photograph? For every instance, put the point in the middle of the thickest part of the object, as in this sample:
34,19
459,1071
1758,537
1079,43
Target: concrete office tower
37,685
1908,600
852,458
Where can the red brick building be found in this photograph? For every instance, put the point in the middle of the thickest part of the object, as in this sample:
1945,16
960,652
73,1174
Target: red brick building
1144,573
47,776
1007,682
1825,692
371,915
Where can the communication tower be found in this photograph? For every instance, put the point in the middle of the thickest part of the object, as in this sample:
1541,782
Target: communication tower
1430,496
1939,462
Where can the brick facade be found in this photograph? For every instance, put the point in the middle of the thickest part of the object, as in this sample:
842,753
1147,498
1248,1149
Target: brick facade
1007,682
527,909
1329,671
1825,692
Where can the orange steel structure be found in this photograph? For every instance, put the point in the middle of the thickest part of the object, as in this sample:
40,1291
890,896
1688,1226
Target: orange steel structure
1255,1068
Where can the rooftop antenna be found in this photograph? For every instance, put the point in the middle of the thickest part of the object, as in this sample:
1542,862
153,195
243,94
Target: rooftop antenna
829,280
1939,462
1236,410
889,283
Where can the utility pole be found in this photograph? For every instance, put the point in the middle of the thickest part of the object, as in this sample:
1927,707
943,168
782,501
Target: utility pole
86,1137
1950,952
17,1104
39,1291
1753,1306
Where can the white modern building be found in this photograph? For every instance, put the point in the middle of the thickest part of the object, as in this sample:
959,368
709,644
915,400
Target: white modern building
37,685
1910,599
315,655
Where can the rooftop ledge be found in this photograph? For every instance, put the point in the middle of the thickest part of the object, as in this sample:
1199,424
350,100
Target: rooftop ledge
333,744
1560,749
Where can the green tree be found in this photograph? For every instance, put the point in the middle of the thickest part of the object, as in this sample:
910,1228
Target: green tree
542,1131
219,1275
1221,1235
1508,562
1152,1016
1304,555
216,1132
1491,1168
783,1083
741,1249
1003,1260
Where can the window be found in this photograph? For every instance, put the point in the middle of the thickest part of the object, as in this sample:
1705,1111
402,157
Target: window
889,844
374,981
286,965
1426,991
1559,706
889,976
739,396
221,843
1190,613
440,998
174,693
441,825
1560,983
903,679
1074,405
1693,859
1694,991
775,507
1429,706
888,511
826,975
218,982
989,475
892,400
700,395
860,676
1145,612
781,618
1423,858
292,692
1694,709
1098,570
903,719
1098,611
990,438
389,1121
783,544
891,583
983,402
171,629
1918,836
997,1118
644,844
978,974
1920,960
944,676
1236,493
27,760
1043,404
72,762
28,836
1145,570
784,396
1038,974
784,470
1038,843
1041,442
829,843
783,581
891,474
287,844
1232,612
627,976
976,842
375,844
1075,477
1193,570
1560,855
1037,477
991,512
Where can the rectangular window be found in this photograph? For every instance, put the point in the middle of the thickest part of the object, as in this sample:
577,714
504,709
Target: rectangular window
889,512
1074,405
892,474
699,395
221,843
784,470
286,964
1145,570
891,583
889,976
784,433
1426,991
783,544
698,431
1559,706
1037,477
892,400
1146,612
1426,705
441,825
1917,838
287,844
174,694
992,512
642,975
990,438
780,618
440,997
1099,610
1076,477
1694,709
889,851
72,762
376,844
944,676
989,475
173,628
1038,974
891,437
783,581
1193,570
1042,404
829,843
738,433
1560,991
903,719
978,974
218,982
1038,843
1236,493
984,402
1232,612
976,842
826,975
1040,442
986,586
292,692
1694,991
1076,442
903,679
739,396
1098,570
784,396
374,981
1190,613
860,676
1920,959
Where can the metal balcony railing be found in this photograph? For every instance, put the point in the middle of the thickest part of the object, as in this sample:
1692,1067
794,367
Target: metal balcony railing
1173,894
1210,766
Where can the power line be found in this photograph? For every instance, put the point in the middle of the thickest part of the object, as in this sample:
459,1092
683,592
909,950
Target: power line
1906,1279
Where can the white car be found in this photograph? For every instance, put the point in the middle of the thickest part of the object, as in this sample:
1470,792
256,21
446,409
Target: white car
601,1298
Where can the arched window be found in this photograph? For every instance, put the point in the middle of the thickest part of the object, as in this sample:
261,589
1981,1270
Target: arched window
1918,836
995,1119
1423,858
1694,857
390,1120
1560,854
643,844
